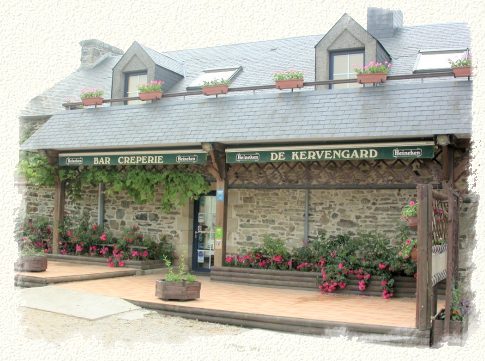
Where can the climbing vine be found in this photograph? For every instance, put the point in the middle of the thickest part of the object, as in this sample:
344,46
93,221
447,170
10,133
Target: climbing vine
139,182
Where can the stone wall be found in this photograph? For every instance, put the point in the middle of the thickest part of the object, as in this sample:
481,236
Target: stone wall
120,212
280,213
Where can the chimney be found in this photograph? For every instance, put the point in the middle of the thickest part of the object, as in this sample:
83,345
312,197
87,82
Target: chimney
92,50
382,23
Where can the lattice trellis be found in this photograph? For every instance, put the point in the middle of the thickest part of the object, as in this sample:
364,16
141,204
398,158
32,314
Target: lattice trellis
337,173
439,222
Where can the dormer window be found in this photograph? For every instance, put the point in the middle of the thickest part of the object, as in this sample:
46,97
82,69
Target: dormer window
437,60
132,81
214,74
342,65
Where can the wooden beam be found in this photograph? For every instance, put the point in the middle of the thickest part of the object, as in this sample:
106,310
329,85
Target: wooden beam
423,280
221,223
58,213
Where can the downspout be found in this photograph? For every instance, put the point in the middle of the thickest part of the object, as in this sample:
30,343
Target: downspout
101,204
306,225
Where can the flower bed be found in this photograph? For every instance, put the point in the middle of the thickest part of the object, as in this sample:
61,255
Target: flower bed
86,241
340,261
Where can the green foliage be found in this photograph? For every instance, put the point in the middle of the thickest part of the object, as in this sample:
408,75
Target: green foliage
159,250
36,169
152,86
178,274
215,82
91,93
140,183
288,75
272,247
374,67
464,62
410,209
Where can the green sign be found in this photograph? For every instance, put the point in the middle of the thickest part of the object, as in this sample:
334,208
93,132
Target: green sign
132,158
308,154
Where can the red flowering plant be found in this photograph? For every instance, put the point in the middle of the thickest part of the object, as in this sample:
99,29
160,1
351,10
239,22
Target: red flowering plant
39,233
117,258
410,209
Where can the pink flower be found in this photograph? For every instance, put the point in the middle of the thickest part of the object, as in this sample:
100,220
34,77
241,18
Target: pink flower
145,253
94,227
111,264
382,266
79,248
342,285
408,241
278,259
367,276
103,237
384,283
412,203
134,253
69,233
340,265
362,285
121,263
63,251
229,259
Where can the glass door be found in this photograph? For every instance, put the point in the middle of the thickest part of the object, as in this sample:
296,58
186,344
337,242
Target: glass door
204,233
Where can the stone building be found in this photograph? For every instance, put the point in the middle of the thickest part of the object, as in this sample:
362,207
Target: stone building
302,190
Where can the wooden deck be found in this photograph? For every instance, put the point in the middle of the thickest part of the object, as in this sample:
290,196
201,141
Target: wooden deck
291,310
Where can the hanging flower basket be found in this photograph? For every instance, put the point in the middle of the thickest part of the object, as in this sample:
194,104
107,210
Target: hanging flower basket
371,78
462,72
289,84
155,95
92,101
215,90
412,222
414,254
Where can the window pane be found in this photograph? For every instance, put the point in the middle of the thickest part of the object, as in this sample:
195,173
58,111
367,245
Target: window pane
340,64
355,61
209,75
134,81
435,60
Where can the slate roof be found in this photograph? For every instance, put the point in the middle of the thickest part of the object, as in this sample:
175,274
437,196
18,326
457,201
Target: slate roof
391,111
50,101
259,61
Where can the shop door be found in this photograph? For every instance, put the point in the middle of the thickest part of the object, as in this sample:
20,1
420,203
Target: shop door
204,233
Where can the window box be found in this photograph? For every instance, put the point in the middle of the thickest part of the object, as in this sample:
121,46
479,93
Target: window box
289,84
457,330
92,101
215,90
150,95
462,72
371,78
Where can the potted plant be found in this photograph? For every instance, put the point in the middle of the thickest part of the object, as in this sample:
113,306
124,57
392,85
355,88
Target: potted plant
178,284
92,96
409,214
462,67
459,310
31,258
409,249
373,72
215,87
151,90
288,79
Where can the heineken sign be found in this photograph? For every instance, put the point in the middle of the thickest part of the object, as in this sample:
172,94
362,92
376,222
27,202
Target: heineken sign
409,151
132,158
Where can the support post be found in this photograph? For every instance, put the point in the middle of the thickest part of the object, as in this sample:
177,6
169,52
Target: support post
451,258
423,279
58,213
218,169
101,204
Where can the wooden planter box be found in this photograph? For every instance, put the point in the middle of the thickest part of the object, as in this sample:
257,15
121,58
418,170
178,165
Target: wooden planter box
137,264
457,332
462,72
215,90
31,264
92,101
371,78
289,84
150,96
180,291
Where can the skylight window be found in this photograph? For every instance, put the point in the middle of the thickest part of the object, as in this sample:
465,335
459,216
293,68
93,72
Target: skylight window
214,74
437,60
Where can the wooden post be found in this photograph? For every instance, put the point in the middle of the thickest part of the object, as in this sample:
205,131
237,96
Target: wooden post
58,216
451,255
218,169
101,204
423,280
